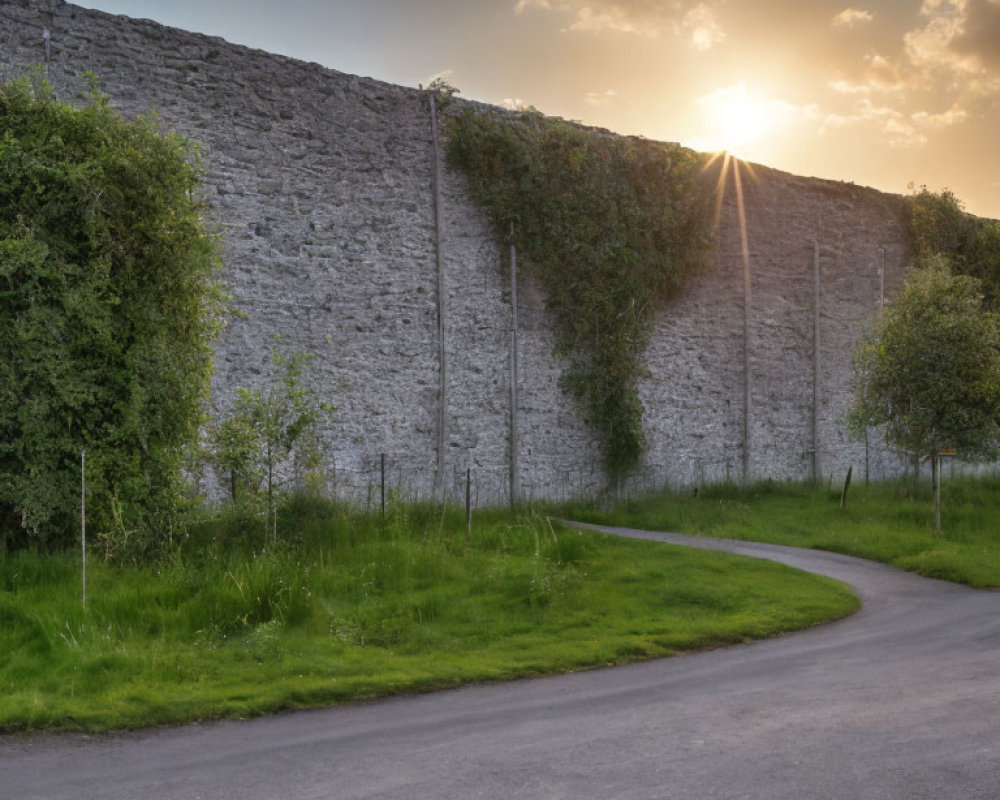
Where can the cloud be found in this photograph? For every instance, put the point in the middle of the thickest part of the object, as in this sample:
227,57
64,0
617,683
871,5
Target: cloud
953,116
980,34
702,26
902,130
961,38
880,75
930,47
445,75
696,21
850,17
602,99
612,18
524,5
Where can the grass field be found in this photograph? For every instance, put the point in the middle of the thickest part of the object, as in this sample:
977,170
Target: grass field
347,607
889,522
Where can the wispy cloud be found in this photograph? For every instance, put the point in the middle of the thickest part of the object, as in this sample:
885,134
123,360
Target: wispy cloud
695,21
850,17
612,18
601,99
524,5
445,75
702,27
900,129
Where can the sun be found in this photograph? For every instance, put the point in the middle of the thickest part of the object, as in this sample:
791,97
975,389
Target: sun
736,120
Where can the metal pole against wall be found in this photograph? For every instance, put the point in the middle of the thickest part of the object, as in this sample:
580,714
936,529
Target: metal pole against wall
816,364
745,248
881,282
47,42
441,296
83,523
515,478
468,504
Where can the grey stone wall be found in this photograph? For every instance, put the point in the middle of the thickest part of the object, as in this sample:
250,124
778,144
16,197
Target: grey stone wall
320,185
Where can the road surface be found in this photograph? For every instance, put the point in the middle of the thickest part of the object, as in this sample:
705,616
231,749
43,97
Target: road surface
897,702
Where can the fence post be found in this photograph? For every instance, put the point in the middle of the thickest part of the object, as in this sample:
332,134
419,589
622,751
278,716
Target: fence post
382,463
83,523
468,505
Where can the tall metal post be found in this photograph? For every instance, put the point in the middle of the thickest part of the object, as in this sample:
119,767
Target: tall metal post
515,478
816,365
441,297
881,282
83,524
747,387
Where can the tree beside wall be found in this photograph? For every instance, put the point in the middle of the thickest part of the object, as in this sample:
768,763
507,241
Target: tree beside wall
930,371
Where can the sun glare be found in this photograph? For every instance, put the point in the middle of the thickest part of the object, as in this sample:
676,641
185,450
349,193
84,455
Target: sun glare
735,120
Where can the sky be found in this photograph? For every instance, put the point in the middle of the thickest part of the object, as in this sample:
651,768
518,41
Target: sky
884,93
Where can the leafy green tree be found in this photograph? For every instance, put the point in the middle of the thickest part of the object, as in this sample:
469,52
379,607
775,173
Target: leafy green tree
930,372
938,224
269,430
107,306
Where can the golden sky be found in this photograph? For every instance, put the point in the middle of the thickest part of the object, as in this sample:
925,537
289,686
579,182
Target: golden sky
883,93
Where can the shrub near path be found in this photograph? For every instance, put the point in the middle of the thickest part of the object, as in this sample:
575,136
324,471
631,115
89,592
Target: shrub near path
347,607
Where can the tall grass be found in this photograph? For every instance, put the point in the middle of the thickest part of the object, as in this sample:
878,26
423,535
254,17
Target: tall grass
890,522
347,606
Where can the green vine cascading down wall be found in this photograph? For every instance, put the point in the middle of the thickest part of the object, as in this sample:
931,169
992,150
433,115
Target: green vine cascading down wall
611,226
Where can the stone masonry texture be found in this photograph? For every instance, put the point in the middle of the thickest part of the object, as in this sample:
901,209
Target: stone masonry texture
321,187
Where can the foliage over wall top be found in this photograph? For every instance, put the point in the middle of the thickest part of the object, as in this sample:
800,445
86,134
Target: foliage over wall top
611,226
937,225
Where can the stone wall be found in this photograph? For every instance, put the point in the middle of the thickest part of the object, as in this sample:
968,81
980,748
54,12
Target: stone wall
321,186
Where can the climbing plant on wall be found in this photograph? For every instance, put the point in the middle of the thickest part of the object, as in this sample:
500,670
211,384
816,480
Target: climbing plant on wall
611,226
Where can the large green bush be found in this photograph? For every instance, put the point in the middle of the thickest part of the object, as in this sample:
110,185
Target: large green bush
106,309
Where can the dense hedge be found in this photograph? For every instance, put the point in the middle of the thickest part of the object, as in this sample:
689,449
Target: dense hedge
106,309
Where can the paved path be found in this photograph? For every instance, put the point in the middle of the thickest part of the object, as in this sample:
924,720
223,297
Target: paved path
900,701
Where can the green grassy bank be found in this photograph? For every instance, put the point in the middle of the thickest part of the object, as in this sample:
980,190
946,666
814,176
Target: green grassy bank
348,606
889,522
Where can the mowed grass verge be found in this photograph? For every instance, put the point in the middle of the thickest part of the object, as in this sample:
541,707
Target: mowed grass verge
348,607
889,522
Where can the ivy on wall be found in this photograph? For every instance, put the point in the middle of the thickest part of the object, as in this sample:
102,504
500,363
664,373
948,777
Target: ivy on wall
610,226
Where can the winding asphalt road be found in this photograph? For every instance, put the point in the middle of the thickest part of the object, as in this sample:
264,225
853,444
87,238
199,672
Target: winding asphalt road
900,701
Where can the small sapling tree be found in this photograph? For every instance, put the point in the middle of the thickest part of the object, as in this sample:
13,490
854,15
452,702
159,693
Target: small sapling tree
268,431
930,372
